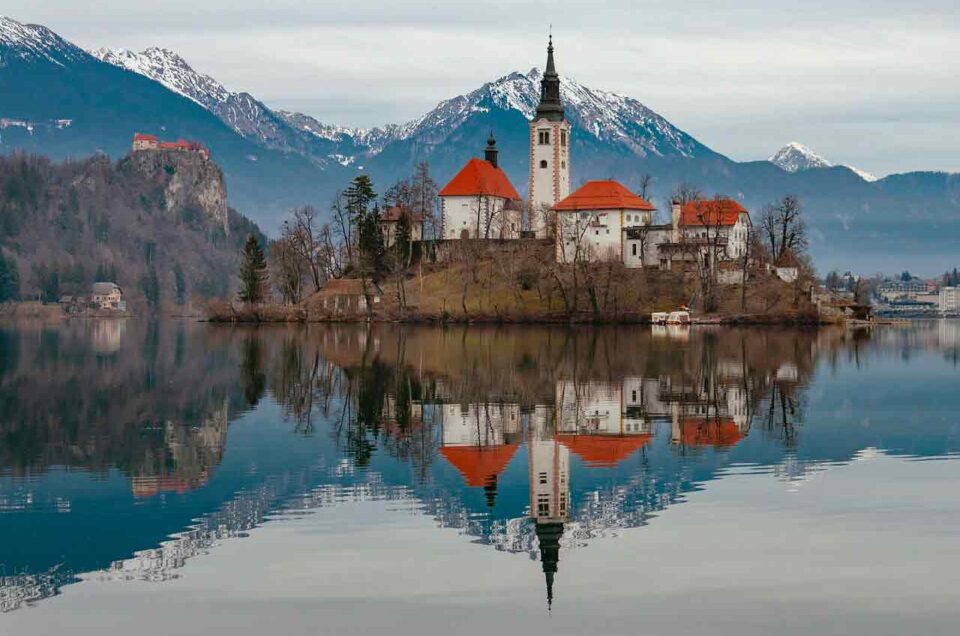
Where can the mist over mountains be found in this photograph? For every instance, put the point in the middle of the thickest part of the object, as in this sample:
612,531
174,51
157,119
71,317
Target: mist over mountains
79,103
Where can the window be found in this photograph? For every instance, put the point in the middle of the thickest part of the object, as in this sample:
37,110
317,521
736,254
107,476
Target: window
543,137
563,138
634,251
563,164
543,164
543,478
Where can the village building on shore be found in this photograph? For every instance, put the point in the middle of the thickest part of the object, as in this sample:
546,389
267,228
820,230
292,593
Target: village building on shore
107,295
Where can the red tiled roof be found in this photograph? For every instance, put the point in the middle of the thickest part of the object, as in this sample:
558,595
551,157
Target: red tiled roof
144,137
723,212
603,195
704,432
348,287
604,450
393,213
478,464
480,177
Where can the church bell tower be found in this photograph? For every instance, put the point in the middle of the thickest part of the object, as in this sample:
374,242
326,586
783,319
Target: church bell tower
549,152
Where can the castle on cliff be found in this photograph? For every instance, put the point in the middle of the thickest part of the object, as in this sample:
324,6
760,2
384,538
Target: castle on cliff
144,141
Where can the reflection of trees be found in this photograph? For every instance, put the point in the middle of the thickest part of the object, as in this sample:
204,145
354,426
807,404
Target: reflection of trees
253,380
156,414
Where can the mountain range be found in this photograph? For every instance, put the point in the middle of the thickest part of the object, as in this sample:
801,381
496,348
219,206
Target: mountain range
82,102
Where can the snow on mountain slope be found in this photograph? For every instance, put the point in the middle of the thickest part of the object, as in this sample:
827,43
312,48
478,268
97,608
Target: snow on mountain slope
33,42
795,157
606,116
171,70
863,174
241,111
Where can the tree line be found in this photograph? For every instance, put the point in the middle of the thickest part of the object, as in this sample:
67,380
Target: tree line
352,243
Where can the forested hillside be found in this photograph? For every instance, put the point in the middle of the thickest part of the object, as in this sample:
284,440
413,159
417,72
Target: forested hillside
157,223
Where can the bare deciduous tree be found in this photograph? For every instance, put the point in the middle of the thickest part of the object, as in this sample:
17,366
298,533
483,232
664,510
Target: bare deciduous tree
782,227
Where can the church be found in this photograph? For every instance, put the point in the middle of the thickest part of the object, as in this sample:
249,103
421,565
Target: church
601,221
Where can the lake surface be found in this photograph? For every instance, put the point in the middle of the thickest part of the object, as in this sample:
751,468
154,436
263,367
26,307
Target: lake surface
174,478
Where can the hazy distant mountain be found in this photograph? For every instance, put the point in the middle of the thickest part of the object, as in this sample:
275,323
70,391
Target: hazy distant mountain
795,157
76,104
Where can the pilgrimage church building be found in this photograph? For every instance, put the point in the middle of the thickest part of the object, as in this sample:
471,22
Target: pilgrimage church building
600,221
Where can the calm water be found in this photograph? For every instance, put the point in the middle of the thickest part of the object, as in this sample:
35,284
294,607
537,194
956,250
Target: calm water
174,478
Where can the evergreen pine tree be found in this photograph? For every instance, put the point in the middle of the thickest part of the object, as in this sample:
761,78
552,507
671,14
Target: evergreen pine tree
150,286
253,272
402,239
179,286
9,279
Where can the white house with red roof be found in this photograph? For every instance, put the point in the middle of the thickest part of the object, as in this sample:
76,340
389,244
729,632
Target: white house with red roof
591,223
480,202
709,220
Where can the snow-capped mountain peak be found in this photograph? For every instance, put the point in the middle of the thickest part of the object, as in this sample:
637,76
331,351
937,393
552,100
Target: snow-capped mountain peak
171,70
32,42
795,157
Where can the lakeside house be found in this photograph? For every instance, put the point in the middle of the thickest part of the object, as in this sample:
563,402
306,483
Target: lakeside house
949,300
107,295
347,296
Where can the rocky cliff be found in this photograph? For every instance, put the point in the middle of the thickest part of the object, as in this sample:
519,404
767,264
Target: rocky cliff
155,222
190,182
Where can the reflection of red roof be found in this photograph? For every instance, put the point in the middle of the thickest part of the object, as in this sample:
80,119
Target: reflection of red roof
603,195
479,177
699,431
478,463
150,485
604,450
722,212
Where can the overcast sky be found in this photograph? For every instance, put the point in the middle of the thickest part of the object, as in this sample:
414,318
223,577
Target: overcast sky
873,84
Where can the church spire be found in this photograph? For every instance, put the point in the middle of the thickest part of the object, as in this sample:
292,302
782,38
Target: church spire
550,107
549,535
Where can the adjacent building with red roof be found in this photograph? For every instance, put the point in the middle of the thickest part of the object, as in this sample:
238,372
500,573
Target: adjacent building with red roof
591,222
480,202
390,220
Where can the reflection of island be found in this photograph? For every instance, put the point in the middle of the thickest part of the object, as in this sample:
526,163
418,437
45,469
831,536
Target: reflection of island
528,440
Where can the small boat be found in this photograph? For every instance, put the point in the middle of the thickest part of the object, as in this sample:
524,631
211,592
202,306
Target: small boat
659,317
681,317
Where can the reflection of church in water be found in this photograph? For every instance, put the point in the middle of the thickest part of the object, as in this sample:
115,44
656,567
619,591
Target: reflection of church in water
600,424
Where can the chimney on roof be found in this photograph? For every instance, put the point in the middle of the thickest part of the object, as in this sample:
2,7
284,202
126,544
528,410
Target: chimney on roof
675,220
490,152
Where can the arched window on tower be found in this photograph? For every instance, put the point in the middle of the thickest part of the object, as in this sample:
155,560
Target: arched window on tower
543,163
563,138
543,137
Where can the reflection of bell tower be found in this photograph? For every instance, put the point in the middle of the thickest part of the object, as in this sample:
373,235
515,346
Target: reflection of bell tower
549,495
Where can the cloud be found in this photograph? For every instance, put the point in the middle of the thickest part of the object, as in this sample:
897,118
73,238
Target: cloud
868,83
